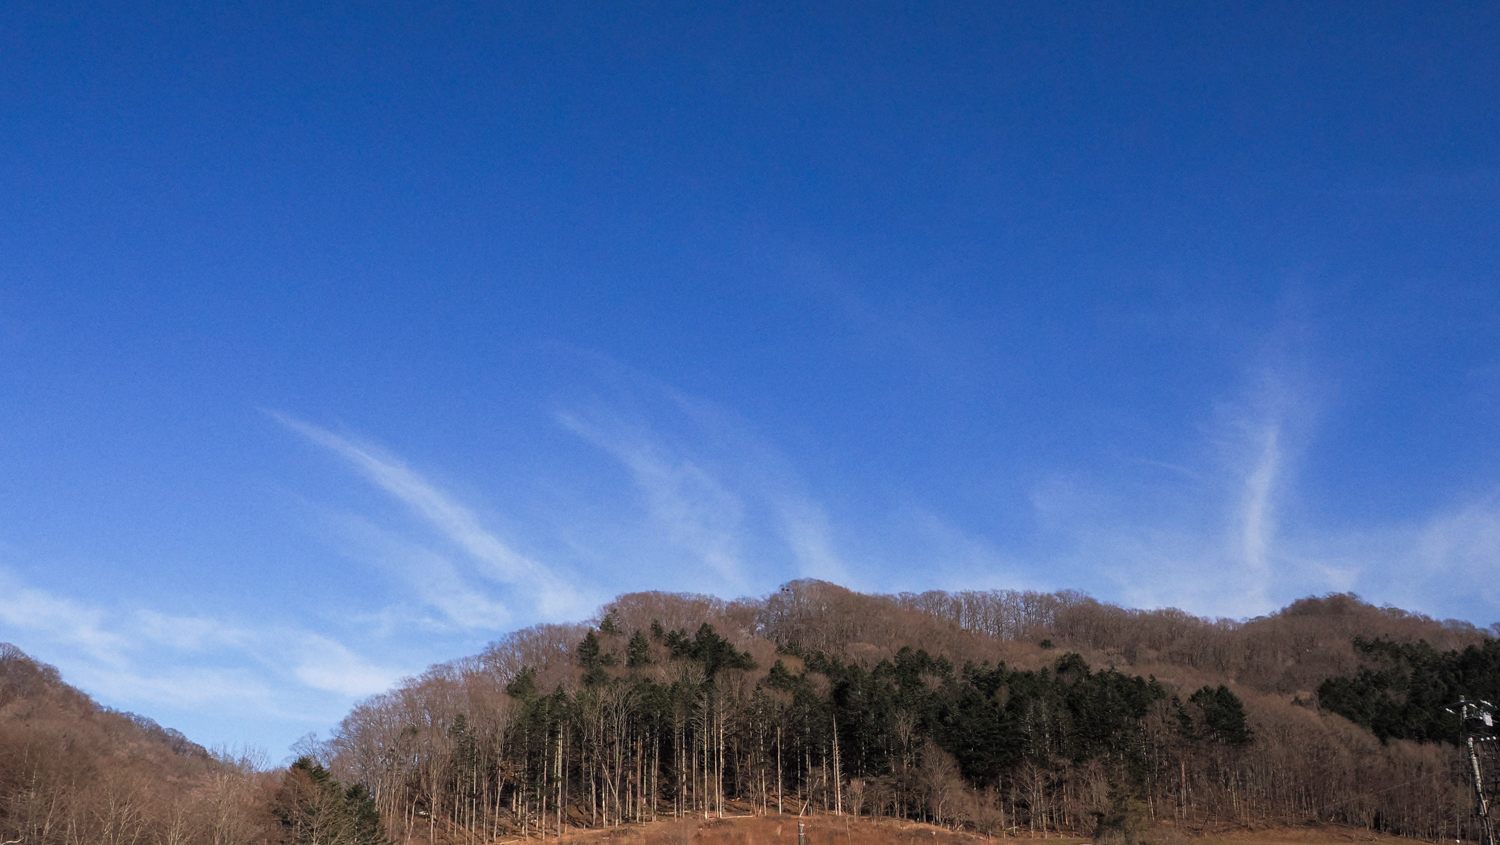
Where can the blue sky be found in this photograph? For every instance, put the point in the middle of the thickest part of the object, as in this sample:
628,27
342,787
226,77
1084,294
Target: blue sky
337,342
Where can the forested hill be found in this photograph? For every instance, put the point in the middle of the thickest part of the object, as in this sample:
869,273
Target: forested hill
998,711
992,711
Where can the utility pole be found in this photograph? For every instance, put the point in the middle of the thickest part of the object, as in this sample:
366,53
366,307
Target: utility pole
1476,723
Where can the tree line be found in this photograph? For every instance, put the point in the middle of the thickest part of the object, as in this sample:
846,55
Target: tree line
997,711
818,699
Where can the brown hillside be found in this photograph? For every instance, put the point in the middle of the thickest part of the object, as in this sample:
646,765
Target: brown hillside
72,771
839,830
620,717
780,830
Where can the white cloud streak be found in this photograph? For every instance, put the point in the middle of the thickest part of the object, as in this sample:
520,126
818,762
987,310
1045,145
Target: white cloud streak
697,511
713,489
1223,536
155,658
1205,537
434,579
1257,518
1432,565
60,620
494,559
325,664
807,532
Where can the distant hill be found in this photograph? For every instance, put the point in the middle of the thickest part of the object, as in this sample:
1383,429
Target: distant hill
75,773
988,711
35,700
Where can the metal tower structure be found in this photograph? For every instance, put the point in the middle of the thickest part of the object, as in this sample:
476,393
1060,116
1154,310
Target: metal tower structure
1476,720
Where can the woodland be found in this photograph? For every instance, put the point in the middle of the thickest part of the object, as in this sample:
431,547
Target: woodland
998,712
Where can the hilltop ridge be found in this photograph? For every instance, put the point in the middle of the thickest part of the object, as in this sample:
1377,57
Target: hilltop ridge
994,710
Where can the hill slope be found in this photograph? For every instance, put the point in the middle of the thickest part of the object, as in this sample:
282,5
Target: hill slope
844,830
75,773
990,711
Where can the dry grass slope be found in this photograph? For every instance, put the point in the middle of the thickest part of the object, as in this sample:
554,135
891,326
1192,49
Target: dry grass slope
781,830
835,830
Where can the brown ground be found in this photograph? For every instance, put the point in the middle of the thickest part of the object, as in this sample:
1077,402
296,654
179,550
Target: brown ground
1322,835
843,830
779,830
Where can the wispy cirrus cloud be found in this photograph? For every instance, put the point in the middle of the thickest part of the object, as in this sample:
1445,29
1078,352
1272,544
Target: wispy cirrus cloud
451,598
1218,525
315,660
695,509
1204,536
809,534
710,486
1434,564
59,619
323,663
149,658
1257,517
489,558
1228,532
1254,446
